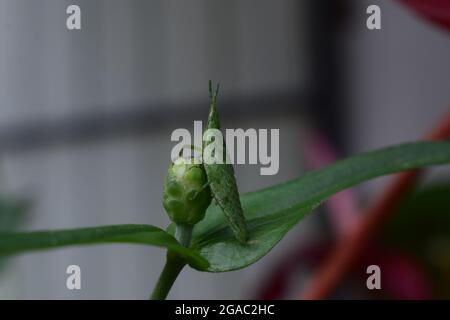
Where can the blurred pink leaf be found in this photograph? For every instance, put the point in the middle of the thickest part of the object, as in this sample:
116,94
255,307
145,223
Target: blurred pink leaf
342,208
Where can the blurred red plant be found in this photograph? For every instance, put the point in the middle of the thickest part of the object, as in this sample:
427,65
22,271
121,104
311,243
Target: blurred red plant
436,11
347,251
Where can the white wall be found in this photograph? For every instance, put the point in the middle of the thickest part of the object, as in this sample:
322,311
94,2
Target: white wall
129,54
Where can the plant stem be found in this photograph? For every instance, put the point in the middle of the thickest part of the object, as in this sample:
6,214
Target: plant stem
172,268
174,264
183,234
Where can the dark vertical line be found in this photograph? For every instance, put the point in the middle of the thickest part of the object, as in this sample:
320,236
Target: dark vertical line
327,69
328,110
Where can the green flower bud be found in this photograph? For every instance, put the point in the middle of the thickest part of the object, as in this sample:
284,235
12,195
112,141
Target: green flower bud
186,192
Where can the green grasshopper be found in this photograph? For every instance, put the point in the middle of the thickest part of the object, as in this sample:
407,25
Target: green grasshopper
222,181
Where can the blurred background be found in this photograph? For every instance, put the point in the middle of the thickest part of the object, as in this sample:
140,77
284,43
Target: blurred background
86,118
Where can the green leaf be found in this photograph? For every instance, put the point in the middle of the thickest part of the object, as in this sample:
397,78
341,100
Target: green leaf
222,180
272,212
421,218
19,242
12,214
